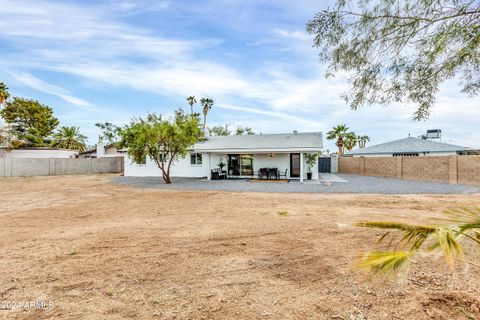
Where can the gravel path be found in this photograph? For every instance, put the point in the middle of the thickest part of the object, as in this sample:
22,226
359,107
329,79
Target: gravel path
355,184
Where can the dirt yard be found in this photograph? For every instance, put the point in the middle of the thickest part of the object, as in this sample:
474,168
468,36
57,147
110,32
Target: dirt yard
91,249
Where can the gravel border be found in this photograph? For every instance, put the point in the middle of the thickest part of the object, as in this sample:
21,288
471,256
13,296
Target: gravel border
355,184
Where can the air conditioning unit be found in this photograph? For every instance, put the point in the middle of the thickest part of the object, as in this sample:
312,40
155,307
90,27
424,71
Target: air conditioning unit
434,134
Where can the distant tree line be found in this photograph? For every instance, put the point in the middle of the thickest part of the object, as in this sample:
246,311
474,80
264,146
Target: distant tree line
29,123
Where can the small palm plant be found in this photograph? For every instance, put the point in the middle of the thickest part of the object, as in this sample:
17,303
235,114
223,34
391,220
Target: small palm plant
462,224
69,138
3,93
191,101
207,104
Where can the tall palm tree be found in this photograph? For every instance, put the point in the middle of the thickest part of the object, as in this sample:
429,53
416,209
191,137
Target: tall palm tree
69,138
191,101
350,141
3,93
362,140
207,104
338,133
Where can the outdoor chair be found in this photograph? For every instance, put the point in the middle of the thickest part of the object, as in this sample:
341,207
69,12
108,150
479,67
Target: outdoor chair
218,174
273,173
263,172
283,175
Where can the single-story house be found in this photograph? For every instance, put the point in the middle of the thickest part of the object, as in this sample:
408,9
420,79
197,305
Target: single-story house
103,151
37,153
408,147
243,156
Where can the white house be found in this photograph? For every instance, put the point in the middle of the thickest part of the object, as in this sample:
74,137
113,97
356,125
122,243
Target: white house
37,153
243,156
408,147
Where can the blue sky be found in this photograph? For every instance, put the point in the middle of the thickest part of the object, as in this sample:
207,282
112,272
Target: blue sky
96,61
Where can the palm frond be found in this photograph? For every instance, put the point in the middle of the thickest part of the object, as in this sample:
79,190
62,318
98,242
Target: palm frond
385,261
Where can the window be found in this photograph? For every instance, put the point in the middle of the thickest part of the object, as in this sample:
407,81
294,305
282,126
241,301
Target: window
162,157
143,161
405,154
195,158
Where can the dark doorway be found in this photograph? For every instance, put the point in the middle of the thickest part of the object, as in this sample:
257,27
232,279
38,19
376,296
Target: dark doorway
295,165
324,164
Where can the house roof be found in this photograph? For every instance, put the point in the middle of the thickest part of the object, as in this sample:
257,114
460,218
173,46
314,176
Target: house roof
408,145
305,141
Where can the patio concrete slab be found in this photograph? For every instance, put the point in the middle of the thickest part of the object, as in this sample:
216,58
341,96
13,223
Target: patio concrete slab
331,177
354,184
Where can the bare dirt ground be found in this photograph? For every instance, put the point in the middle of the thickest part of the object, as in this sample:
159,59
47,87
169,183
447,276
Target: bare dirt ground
97,250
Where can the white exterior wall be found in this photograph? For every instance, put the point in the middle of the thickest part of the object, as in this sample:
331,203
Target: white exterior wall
420,154
179,168
183,168
37,154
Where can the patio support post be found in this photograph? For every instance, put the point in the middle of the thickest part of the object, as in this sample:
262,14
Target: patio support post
209,173
301,167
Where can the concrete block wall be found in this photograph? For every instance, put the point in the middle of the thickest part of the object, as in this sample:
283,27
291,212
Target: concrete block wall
468,169
452,169
350,165
22,167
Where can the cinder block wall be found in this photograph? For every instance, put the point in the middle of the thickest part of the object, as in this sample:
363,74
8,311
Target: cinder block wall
16,167
349,165
468,169
453,169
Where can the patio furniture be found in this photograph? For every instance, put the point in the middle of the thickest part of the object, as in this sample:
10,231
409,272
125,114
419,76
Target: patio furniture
272,173
263,172
283,175
218,174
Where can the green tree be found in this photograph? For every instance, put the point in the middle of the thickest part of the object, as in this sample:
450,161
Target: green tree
207,104
311,159
400,51
8,138
69,138
4,95
244,131
219,131
31,120
163,141
350,141
338,133
362,140
403,241
110,132
191,101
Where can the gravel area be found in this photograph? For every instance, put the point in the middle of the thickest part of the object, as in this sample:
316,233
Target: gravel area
355,184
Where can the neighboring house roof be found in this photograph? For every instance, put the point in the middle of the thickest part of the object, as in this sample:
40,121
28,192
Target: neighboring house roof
408,145
305,141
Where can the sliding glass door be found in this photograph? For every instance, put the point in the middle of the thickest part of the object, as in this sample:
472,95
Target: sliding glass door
240,164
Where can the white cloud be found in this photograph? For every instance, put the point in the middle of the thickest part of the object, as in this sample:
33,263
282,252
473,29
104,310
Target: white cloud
284,91
35,83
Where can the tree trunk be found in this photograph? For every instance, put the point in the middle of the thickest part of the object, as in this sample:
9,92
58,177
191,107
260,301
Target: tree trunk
340,149
204,121
191,109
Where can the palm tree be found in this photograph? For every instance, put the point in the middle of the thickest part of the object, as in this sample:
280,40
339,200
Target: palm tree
69,138
191,101
350,140
362,140
450,237
3,93
338,133
207,104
